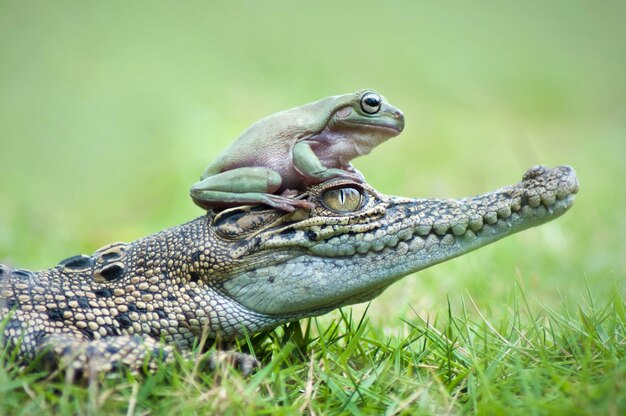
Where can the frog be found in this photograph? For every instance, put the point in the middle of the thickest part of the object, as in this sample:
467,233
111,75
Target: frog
288,151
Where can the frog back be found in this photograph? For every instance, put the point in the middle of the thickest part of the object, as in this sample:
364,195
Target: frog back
269,142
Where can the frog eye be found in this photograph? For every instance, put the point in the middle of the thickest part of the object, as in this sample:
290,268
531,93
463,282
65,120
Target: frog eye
342,199
370,103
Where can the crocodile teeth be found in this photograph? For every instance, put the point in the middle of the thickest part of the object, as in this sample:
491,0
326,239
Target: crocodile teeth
378,245
441,228
432,241
447,240
404,234
516,204
368,237
476,223
548,199
417,244
504,212
562,193
391,240
460,228
491,217
362,248
423,229
402,249
534,201
470,235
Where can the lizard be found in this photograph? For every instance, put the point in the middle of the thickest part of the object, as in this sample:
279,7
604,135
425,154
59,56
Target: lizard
249,269
287,151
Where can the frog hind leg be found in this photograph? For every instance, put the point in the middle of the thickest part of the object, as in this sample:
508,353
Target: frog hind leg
244,186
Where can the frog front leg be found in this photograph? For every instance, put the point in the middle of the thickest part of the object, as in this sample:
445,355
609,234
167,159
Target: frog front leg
308,164
244,186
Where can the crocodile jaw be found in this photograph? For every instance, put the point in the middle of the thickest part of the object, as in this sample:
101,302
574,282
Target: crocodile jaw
355,262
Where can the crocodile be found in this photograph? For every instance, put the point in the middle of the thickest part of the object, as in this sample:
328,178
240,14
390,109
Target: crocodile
249,269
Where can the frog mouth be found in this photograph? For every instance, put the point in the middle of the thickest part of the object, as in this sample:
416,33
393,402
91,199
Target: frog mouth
394,124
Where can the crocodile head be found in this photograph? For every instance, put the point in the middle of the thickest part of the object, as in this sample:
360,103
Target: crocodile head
356,242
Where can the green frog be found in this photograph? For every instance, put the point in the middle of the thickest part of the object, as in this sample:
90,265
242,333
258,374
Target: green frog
290,150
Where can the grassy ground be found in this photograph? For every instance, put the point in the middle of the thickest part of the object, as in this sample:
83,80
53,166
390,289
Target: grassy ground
531,359
109,111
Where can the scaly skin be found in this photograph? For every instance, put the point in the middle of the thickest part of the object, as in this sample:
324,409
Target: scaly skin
250,270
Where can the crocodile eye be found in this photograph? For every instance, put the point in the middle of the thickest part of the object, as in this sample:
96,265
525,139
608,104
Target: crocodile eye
343,199
370,103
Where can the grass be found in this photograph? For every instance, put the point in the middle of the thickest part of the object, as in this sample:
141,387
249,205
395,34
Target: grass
535,360
110,110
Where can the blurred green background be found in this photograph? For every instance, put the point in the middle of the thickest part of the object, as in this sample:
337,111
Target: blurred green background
109,111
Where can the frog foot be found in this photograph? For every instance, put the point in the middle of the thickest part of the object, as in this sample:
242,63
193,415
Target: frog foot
289,193
287,204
